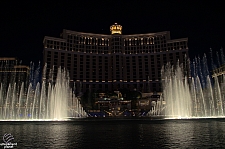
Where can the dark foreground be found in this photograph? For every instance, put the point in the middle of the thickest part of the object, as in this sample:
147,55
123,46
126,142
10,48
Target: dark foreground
117,133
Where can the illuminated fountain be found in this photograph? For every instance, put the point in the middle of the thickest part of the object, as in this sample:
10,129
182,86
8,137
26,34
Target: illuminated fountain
157,108
43,101
199,96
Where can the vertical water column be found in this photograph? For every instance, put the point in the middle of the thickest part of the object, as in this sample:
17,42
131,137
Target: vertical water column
218,97
48,102
1,102
28,103
35,102
20,113
210,96
42,104
176,93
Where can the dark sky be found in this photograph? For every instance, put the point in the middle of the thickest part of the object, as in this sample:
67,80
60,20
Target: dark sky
24,24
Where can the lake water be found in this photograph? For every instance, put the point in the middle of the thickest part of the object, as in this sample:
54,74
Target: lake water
120,133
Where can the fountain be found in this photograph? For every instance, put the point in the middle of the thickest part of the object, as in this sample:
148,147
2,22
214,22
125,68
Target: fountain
195,96
40,101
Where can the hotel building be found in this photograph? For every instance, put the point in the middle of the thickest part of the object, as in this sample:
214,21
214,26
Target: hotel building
11,72
115,61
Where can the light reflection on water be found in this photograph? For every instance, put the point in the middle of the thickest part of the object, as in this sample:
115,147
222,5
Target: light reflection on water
44,134
209,133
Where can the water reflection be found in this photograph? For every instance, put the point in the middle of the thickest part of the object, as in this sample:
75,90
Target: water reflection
179,133
118,134
44,135
195,133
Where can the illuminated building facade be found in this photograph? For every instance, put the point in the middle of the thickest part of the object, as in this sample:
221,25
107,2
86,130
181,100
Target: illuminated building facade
12,72
115,61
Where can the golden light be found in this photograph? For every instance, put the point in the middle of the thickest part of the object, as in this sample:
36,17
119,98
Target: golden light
116,29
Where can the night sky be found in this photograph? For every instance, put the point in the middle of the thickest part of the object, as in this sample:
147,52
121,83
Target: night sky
24,24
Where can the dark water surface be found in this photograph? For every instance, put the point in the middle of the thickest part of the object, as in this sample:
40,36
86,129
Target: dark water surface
110,133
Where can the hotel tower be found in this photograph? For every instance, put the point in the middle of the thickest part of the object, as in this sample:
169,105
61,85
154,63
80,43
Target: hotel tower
115,61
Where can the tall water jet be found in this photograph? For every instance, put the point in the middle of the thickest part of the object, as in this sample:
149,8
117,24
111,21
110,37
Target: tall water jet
40,101
176,92
193,96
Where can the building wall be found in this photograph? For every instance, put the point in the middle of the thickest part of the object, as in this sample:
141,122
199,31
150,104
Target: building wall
13,73
111,62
